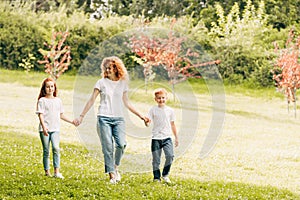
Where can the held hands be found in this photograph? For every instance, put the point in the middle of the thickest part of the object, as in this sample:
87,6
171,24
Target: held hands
147,121
78,120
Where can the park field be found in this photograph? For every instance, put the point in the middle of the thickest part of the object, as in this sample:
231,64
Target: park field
256,156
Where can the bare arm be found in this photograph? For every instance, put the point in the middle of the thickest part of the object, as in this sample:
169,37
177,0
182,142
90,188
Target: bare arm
41,118
132,109
174,130
63,117
87,106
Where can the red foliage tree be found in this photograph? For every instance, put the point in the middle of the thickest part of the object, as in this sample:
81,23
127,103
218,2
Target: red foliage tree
286,72
167,52
58,58
148,51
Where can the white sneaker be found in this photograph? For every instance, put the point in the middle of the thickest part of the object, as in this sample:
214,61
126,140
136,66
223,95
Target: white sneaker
59,175
118,176
166,179
112,181
156,180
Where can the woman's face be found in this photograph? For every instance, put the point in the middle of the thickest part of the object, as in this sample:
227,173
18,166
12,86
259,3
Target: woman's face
111,72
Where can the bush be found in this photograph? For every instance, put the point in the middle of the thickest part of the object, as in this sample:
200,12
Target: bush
18,38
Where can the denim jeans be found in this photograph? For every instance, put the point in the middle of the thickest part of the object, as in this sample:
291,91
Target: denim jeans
52,137
156,148
111,130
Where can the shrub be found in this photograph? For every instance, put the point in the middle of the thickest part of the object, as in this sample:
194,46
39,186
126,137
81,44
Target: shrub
18,38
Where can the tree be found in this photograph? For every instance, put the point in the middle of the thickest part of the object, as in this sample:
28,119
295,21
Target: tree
58,58
236,41
287,68
167,52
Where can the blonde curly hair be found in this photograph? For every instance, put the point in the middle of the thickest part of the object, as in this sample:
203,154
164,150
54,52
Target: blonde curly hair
116,63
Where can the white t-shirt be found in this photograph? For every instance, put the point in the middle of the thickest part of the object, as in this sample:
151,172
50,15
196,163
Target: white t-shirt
111,97
161,118
51,108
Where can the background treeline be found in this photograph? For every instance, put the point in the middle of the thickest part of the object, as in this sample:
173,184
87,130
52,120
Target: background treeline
239,33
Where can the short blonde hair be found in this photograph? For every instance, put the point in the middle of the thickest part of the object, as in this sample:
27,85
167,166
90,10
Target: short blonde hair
160,91
116,63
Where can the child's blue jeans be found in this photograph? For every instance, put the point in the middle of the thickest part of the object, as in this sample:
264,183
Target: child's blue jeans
52,137
156,147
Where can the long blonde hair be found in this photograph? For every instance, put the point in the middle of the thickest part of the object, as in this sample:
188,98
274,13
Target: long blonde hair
117,64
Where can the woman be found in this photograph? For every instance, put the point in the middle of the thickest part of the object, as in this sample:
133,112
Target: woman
112,88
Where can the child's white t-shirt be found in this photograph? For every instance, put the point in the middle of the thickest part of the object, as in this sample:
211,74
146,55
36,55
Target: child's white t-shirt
161,118
111,97
51,108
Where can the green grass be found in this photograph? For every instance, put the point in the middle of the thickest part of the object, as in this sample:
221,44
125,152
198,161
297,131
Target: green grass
69,82
22,177
34,79
22,174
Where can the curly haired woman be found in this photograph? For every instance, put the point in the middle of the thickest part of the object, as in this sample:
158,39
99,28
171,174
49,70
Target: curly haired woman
112,88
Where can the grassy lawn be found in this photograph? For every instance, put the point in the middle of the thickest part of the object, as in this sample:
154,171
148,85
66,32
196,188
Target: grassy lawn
68,82
256,157
22,178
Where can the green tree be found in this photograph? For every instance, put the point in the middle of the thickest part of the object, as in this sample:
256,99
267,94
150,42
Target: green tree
237,41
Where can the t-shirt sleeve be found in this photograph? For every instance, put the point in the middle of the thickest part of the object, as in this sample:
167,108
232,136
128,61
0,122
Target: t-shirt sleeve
40,107
172,117
61,107
126,87
98,85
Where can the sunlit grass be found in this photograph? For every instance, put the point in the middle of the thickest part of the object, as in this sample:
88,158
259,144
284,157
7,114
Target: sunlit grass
22,177
197,86
34,79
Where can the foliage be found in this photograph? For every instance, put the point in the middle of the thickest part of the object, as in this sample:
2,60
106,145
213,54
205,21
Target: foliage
27,62
57,59
22,178
236,32
30,33
237,42
169,52
18,38
282,14
287,68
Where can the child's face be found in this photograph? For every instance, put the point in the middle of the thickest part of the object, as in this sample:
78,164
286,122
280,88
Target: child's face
50,88
161,99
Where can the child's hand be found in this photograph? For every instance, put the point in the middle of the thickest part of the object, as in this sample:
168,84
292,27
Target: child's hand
176,142
77,121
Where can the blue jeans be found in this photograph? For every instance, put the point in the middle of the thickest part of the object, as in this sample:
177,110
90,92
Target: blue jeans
111,130
52,137
156,148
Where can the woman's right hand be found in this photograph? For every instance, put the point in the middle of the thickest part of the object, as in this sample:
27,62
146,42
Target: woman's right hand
147,121
45,131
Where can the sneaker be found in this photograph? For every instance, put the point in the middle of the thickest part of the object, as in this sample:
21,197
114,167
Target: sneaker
156,180
118,176
59,175
112,181
166,179
48,175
